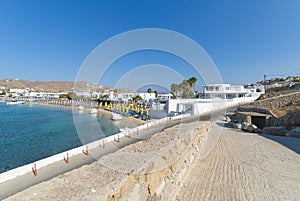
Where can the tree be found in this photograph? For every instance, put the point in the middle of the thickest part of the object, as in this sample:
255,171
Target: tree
156,94
104,97
296,79
192,81
136,98
184,89
175,90
149,90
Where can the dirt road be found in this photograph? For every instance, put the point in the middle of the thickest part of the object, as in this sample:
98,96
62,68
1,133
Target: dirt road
242,166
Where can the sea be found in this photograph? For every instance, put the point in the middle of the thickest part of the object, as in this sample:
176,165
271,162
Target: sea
29,133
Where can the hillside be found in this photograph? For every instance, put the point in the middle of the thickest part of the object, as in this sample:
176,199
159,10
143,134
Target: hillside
53,86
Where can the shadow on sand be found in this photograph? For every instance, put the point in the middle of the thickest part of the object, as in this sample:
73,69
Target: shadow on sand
225,124
289,142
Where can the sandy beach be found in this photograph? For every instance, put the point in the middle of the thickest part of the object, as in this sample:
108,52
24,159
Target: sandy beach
244,166
129,121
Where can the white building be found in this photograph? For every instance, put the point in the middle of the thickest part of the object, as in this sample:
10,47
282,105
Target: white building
223,91
18,91
42,95
125,96
146,96
255,89
164,96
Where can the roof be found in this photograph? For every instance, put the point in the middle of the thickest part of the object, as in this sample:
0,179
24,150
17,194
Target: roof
256,114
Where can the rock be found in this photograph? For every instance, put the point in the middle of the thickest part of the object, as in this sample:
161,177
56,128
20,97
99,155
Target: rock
228,120
258,130
291,119
273,130
294,133
290,103
251,128
245,126
237,125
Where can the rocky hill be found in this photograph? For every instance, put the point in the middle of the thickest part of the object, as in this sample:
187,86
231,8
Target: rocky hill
52,86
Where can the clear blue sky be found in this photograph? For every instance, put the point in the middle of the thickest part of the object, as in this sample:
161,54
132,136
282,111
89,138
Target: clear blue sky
49,40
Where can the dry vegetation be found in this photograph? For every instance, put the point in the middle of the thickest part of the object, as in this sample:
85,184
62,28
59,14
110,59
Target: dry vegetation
54,86
45,86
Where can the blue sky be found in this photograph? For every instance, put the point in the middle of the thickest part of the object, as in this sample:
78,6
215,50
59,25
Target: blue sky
49,40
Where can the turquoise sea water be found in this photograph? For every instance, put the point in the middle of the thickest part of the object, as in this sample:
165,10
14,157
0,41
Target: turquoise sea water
29,133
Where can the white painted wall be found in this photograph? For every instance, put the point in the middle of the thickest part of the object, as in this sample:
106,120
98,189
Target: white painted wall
201,106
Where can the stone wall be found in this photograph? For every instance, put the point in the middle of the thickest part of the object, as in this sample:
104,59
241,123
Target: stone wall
153,182
275,102
290,120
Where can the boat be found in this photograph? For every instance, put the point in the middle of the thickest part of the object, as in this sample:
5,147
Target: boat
93,111
81,107
116,117
15,102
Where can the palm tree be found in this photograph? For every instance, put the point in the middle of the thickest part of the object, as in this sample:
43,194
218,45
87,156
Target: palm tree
192,81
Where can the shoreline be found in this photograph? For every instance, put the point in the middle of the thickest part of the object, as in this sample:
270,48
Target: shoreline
99,111
126,122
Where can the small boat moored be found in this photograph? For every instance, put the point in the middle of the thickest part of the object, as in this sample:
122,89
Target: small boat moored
15,102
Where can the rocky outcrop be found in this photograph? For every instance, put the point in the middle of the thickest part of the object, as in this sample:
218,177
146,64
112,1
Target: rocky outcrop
251,128
276,102
273,130
294,133
255,109
291,120
237,125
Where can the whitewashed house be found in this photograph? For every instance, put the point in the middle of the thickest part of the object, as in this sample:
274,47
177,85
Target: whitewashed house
164,96
255,89
43,95
146,96
125,96
223,91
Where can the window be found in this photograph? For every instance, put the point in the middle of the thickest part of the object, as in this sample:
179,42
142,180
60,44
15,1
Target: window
217,88
227,88
209,88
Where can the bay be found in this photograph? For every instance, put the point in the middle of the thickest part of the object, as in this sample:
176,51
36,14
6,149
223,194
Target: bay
29,132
